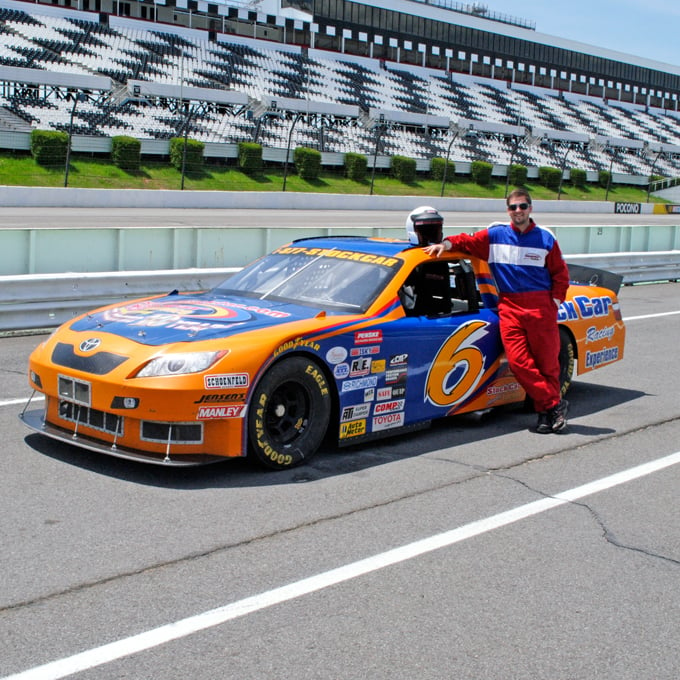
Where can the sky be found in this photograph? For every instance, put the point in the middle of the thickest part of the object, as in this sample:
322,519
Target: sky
645,28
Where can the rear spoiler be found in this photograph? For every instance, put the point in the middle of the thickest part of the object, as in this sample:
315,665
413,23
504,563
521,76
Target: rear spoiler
589,276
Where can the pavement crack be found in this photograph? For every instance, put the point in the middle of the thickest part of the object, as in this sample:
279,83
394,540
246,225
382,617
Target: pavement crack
151,568
607,533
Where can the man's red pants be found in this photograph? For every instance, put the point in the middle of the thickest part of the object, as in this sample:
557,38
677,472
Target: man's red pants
528,325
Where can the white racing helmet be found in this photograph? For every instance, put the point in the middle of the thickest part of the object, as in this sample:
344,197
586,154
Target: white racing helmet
424,226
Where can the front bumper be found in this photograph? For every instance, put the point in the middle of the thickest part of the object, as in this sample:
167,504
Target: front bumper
35,420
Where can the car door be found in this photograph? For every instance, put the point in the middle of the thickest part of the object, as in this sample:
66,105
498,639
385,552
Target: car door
443,356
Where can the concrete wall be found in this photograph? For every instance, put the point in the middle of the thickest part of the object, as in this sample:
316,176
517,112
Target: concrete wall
275,200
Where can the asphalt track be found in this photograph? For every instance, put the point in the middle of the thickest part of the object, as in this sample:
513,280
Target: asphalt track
47,218
474,550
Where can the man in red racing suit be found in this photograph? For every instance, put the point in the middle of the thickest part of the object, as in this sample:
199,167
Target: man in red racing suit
532,281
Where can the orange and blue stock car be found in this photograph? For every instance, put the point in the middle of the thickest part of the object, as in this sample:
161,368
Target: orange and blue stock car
346,338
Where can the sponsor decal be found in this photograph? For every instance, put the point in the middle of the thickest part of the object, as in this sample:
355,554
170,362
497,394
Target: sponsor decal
384,393
666,209
369,394
395,375
496,390
388,421
185,315
89,345
359,367
336,355
273,313
341,371
399,359
627,208
399,391
226,381
359,383
295,344
367,337
355,412
388,406
594,334
364,351
339,254
214,412
378,366
354,428
219,398
604,356
583,307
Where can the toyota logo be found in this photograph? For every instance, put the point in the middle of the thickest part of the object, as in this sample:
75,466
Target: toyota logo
90,344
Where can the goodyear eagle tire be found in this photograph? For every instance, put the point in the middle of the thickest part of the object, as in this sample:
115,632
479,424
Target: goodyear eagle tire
567,360
288,415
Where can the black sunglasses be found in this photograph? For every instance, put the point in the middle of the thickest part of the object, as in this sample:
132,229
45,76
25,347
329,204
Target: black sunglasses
518,206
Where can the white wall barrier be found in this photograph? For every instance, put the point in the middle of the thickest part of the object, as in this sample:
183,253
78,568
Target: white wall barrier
36,302
70,197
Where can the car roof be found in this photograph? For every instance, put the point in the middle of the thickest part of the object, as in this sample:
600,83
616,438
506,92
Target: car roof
389,247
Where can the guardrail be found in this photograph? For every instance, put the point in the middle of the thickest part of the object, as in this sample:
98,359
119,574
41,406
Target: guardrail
635,267
43,301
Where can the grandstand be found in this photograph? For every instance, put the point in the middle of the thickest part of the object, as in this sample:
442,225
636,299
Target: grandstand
234,74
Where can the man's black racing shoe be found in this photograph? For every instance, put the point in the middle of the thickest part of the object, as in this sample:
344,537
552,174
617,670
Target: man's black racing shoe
544,424
558,416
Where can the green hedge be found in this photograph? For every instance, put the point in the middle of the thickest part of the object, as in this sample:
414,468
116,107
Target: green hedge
307,162
437,166
356,166
250,157
481,172
549,177
194,155
604,178
126,152
49,147
578,177
404,169
518,175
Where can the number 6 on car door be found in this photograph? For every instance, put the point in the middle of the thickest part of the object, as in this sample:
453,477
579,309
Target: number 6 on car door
458,366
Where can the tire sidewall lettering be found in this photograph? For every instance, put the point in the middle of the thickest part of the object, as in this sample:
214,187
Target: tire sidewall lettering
313,380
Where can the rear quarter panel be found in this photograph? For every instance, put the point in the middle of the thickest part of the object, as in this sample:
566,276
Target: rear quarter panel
593,316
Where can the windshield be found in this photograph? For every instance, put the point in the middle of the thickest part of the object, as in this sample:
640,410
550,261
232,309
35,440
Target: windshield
319,280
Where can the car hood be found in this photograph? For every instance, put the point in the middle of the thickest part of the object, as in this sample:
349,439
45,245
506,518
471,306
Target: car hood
185,318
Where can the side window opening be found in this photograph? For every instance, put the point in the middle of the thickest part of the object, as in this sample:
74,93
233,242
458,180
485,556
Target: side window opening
441,288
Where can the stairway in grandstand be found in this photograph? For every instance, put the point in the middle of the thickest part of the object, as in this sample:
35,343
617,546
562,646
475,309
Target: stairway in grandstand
12,122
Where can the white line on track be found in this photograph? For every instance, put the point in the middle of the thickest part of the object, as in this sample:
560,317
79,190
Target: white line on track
13,402
99,656
649,316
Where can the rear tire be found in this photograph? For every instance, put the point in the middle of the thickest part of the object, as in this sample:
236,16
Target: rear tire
567,360
289,413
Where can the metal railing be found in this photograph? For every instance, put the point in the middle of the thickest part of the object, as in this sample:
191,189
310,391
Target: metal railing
659,184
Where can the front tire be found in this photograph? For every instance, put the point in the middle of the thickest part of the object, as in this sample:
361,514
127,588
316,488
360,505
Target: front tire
289,413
